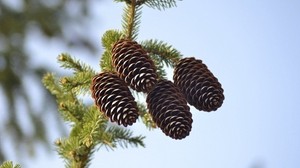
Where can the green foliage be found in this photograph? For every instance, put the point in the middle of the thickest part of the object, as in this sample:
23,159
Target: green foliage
123,137
158,4
155,4
161,51
80,81
146,117
91,129
106,62
9,164
127,1
19,23
110,37
131,20
162,54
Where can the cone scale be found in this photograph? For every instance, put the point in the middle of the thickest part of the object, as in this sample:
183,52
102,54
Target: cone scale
199,86
169,110
114,98
134,65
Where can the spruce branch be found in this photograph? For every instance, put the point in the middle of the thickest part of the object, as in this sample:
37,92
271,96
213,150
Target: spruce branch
76,154
67,101
90,128
106,62
113,136
69,62
110,37
158,4
79,83
127,1
162,52
71,111
145,116
155,4
93,124
131,20
78,148
160,69
51,83
74,149
9,164
123,137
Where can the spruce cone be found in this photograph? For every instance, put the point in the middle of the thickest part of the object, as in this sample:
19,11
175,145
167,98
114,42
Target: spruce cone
134,65
114,98
169,110
199,86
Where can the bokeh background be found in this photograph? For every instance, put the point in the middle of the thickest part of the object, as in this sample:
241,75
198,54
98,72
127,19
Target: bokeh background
252,47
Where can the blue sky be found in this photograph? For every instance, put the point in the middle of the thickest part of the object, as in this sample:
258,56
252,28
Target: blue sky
253,48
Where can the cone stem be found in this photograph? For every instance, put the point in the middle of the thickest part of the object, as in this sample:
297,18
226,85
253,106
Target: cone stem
131,19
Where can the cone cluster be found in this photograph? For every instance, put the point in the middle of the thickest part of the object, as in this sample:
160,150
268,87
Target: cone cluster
199,86
114,98
166,101
169,110
134,65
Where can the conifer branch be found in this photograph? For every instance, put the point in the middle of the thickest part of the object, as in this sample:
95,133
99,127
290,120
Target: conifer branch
131,20
9,164
155,4
79,83
158,4
106,62
74,152
110,37
68,62
159,66
127,1
124,137
146,117
89,126
82,158
91,129
94,123
67,101
162,51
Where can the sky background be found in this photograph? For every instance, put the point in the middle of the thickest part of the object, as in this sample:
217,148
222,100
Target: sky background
251,46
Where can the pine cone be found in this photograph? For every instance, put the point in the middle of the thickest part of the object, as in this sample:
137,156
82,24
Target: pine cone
169,110
199,86
114,98
134,65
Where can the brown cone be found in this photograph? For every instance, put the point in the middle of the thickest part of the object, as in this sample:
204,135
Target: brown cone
169,110
199,86
134,65
114,98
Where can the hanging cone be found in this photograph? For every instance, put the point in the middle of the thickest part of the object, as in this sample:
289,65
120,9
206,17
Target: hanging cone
169,110
134,65
114,98
199,86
